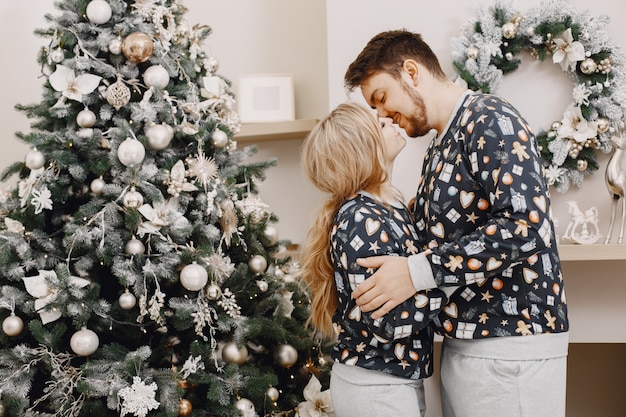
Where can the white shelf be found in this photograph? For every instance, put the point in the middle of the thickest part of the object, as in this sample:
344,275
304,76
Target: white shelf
261,132
595,252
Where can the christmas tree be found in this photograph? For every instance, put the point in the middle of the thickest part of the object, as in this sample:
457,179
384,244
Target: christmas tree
140,273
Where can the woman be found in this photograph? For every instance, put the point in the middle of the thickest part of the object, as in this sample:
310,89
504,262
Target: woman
379,364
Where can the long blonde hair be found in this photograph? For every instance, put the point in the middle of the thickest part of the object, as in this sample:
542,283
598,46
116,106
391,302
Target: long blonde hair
343,153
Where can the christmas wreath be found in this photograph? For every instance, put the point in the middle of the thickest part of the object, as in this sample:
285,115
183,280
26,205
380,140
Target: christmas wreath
490,46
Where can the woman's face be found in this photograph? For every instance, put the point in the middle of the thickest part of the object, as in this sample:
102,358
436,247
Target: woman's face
394,142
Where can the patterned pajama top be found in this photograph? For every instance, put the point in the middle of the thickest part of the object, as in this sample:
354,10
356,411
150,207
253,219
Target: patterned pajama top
401,342
484,206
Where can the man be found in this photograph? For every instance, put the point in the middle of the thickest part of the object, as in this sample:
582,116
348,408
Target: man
484,207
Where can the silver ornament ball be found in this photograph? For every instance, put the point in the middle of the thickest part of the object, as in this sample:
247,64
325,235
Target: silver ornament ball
115,46
213,292
35,159
156,76
97,186
272,394
99,12
57,56
134,247
231,353
257,264
84,342
131,152
127,300
159,136
509,30
219,138
588,66
194,277
246,407
86,118
271,234
12,325
285,355
132,199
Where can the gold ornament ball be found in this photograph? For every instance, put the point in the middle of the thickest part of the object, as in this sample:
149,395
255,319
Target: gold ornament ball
231,353
285,355
184,407
272,393
137,47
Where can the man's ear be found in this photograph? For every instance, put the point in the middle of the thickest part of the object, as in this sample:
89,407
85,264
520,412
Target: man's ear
412,69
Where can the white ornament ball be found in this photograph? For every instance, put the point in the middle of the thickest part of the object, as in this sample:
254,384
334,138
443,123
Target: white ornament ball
285,355
115,46
131,152
57,55
231,353
97,186
127,300
84,342
12,325
86,118
159,136
156,76
272,393
132,199
257,264
271,234
246,407
134,247
219,138
35,159
472,52
99,12
194,277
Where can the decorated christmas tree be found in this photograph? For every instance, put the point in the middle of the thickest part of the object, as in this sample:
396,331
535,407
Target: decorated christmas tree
140,273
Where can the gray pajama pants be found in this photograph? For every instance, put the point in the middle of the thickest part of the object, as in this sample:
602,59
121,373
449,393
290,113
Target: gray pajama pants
359,392
521,376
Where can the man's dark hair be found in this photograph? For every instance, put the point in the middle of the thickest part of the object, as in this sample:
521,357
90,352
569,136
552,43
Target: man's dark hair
386,52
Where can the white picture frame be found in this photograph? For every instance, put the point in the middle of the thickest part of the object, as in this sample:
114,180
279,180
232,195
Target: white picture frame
265,98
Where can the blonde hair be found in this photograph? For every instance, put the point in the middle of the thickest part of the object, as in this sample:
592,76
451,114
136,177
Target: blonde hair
343,153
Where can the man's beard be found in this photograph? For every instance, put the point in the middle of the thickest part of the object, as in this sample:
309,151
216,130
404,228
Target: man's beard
417,121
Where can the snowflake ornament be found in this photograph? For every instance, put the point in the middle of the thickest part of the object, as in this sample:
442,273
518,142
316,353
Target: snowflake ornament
138,399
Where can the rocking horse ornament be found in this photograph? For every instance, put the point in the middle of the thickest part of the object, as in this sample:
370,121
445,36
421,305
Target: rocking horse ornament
583,226
615,178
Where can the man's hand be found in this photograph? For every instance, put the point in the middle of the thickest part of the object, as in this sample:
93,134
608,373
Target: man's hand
387,287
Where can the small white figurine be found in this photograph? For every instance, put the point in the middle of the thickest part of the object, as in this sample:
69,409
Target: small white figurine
583,226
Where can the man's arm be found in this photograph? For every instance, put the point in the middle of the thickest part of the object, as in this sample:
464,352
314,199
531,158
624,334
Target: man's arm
396,279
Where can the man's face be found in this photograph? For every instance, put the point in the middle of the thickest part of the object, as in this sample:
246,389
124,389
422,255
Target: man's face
398,100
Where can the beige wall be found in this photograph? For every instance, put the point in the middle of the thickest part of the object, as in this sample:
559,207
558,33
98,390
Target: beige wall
315,40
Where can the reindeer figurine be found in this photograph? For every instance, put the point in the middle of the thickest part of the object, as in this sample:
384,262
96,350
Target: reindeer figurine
615,178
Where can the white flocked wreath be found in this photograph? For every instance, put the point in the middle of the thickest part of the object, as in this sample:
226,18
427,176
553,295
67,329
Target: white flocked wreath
489,46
